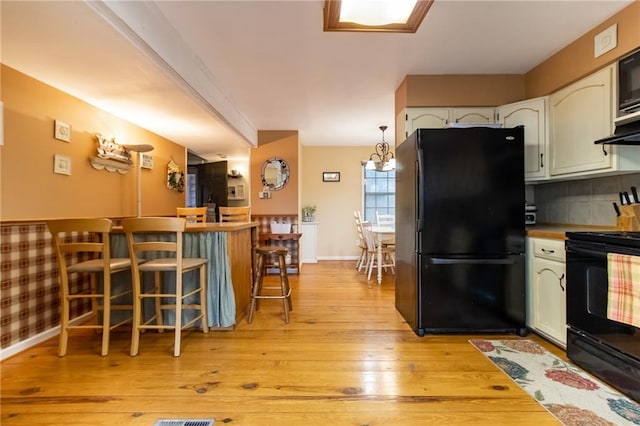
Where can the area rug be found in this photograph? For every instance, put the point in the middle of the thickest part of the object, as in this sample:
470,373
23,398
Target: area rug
573,396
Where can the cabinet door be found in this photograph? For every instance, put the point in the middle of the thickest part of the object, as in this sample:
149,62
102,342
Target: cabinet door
425,118
473,115
308,242
549,299
580,114
532,114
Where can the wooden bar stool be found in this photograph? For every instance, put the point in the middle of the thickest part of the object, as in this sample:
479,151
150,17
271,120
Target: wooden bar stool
161,239
83,247
285,290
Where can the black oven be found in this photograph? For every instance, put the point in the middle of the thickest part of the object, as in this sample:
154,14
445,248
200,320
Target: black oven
609,350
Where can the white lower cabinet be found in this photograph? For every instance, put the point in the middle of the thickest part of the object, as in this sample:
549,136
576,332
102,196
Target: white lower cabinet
546,289
309,242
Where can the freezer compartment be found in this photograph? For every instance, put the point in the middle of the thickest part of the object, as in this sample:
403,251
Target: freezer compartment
468,294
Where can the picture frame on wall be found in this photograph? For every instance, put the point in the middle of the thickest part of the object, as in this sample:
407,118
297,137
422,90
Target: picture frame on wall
331,176
147,161
62,165
62,131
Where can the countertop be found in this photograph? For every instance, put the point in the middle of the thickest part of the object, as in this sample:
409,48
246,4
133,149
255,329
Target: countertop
210,226
557,231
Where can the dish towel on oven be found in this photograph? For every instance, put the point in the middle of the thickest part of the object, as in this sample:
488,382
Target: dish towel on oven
623,304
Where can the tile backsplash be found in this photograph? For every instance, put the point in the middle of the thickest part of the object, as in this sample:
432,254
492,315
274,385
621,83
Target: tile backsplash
582,202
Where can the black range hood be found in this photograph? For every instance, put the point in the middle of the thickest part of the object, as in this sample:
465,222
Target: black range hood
625,134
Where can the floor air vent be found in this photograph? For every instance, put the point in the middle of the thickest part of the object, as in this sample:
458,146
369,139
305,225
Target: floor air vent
184,422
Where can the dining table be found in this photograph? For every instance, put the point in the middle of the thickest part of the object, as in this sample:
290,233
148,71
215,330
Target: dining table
382,232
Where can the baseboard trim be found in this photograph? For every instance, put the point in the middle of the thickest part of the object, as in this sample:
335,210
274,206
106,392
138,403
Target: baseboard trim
338,257
38,338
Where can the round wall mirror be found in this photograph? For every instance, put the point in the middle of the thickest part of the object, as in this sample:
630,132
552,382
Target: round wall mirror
275,173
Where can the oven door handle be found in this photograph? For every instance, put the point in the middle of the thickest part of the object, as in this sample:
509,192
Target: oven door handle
594,253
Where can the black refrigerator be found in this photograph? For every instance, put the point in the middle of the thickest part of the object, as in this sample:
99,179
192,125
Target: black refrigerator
460,234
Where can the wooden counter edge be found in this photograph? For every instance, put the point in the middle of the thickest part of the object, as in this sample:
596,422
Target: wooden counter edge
558,231
220,226
211,226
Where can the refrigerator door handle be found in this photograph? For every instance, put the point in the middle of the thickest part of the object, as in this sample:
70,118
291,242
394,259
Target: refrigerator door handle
467,261
421,188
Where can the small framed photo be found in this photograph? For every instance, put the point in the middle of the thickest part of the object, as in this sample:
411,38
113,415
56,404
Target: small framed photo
62,165
331,176
147,161
62,131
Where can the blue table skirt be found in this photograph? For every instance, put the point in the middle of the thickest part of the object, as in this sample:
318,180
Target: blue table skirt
221,306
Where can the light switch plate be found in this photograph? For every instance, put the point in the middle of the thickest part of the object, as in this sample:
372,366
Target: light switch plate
264,194
605,41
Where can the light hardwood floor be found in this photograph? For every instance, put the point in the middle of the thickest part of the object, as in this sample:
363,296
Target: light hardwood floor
345,358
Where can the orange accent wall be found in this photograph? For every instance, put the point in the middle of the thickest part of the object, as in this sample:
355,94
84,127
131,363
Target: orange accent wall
576,60
275,143
30,188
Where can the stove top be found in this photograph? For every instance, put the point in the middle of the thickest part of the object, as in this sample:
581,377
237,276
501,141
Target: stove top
622,238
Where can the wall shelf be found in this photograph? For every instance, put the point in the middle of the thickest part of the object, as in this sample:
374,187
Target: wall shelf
109,165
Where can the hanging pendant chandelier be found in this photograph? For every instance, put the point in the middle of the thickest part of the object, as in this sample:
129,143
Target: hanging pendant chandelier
382,160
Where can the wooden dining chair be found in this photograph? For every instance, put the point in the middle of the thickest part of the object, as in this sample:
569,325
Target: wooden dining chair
388,252
160,240
82,247
235,214
383,219
362,260
192,214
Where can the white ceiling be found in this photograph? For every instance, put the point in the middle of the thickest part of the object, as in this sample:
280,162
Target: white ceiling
209,74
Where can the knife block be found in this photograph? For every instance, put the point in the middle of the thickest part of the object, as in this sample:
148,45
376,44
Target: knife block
629,219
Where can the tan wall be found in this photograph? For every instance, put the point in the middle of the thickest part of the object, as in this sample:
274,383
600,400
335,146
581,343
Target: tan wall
401,96
335,201
570,64
282,144
576,60
459,90
30,189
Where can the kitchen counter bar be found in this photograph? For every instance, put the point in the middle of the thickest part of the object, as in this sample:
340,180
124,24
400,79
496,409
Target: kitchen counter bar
229,248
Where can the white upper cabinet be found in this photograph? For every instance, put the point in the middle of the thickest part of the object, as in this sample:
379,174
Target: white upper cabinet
580,114
532,114
436,118
473,115
423,118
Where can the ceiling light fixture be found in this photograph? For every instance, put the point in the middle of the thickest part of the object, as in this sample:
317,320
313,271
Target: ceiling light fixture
399,16
382,159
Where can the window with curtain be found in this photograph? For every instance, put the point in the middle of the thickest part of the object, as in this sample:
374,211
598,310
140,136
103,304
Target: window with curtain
379,193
